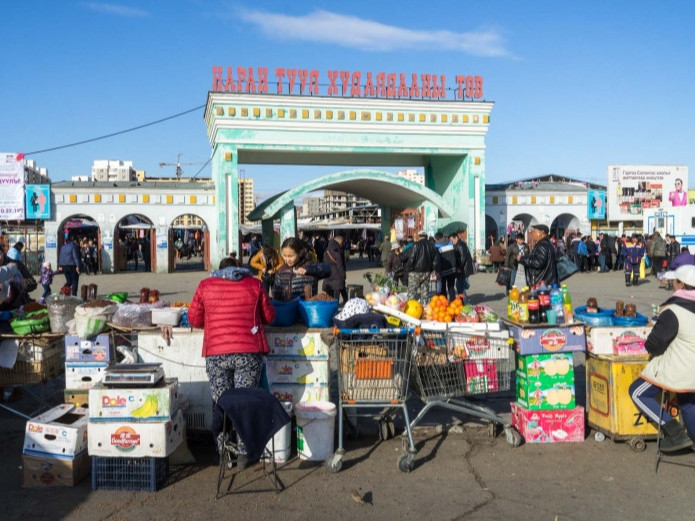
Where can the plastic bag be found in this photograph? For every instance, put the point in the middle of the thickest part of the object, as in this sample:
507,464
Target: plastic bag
90,321
132,315
61,309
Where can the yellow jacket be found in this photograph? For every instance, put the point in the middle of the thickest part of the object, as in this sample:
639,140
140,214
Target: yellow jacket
259,262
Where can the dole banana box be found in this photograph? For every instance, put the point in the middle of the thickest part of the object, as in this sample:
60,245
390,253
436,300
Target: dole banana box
296,343
155,439
134,404
549,369
541,339
559,425
297,372
533,394
60,432
300,393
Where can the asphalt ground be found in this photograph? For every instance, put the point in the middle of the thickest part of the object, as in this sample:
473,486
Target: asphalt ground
460,472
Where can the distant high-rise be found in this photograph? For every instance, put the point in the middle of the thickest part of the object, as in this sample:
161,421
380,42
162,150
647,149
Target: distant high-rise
412,175
112,170
247,201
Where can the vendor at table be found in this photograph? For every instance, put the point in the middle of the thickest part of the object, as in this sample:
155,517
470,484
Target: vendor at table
232,308
298,272
671,345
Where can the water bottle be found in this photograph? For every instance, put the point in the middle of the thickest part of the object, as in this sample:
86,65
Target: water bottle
556,304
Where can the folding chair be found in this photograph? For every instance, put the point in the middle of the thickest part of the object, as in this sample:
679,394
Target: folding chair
256,416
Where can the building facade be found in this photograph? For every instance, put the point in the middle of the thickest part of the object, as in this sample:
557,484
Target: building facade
113,170
247,199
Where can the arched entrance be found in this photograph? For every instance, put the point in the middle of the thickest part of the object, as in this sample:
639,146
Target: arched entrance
189,244
491,228
134,245
87,235
563,224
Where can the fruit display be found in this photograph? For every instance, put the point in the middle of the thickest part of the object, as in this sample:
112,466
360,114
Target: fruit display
413,308
441,310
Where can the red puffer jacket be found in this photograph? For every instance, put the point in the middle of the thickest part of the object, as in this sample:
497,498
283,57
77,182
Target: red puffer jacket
232,314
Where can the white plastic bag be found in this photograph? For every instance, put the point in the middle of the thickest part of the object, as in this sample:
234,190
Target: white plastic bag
90,321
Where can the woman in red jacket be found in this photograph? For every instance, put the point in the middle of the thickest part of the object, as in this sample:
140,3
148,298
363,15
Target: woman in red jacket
231,307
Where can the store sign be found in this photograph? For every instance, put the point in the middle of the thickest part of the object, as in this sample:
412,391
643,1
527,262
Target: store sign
38,201
11,187
633,188
596,204
353,84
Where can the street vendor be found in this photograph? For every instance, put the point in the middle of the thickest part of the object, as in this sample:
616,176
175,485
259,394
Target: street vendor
671,345
232,308
298,272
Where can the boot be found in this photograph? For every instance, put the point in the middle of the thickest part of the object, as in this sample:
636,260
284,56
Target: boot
675,437
627,280
635,279
83,292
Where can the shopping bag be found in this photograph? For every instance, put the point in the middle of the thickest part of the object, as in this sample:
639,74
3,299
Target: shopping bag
647,261
565,267
504,277
643,268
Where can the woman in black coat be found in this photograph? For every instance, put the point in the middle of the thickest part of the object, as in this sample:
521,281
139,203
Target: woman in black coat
334,285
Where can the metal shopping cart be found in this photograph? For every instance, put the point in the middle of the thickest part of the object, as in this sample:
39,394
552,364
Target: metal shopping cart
373,373
453,364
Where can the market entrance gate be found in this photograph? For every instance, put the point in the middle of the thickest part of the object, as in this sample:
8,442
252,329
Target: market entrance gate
446,138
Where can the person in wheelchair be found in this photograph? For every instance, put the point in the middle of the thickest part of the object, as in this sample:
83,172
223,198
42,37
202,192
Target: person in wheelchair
671,345
231,306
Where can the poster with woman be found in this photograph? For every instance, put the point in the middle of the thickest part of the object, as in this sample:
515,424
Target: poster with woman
596,202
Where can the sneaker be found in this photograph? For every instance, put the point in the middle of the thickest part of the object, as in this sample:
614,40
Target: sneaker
42,300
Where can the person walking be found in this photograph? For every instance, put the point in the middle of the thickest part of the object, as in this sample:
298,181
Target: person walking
448,266
334,284
45,279
634,251
671,345
231,307
517,248
394,265
384,251
540,263
422,261
464,262
69,264
658,253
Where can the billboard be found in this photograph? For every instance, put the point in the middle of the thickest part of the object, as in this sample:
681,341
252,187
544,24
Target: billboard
38,201
596,204
11,187
633,188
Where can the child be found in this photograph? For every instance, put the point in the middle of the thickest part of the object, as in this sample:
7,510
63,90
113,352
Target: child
45,279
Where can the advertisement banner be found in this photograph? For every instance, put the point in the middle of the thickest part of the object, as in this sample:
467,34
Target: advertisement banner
633,188
691,197
38,201
11,187
596,204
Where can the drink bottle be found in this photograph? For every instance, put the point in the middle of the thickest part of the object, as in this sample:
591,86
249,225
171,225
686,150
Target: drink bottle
523,305
557,304
567,304
534,315
514,304
543,300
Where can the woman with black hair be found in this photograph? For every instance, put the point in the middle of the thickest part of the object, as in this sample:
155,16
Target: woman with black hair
298,272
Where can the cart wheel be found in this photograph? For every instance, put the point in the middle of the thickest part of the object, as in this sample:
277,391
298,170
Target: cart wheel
599,436
492,430
334,463
384,432
512,436
405,463
392,428
637,444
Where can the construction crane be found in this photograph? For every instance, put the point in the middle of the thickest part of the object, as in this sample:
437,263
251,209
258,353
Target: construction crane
179,171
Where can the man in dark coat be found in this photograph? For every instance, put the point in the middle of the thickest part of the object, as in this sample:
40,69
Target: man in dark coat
423,259
464,263
334,285
540,264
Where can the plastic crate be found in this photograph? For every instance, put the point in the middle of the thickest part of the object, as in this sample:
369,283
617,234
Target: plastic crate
144,474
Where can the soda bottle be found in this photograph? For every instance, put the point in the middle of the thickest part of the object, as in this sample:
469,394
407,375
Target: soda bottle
534,314
543,300
556,303
514,304
567,304
523,305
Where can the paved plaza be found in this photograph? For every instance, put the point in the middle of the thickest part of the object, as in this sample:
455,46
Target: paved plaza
460,472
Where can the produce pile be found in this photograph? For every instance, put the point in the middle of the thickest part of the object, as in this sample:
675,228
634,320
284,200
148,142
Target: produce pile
440,309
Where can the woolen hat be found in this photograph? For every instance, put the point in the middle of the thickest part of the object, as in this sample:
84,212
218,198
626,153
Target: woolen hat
686,274
541,227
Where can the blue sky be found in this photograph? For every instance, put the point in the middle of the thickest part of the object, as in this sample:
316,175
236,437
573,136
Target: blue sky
576,85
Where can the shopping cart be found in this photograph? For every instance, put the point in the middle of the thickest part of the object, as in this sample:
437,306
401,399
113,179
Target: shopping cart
467,363
373,373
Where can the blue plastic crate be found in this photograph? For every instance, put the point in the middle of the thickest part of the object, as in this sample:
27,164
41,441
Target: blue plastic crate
145,474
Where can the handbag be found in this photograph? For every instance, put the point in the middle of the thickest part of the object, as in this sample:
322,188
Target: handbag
504,277
565,267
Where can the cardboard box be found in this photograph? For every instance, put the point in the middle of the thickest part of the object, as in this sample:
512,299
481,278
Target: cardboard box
296,343
549,369
481,376
300,393
134,404
58,432
532,340
608,402
295,371
599,340
136,439
536,395
549,426
84,375
94,349
45,471
78,397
